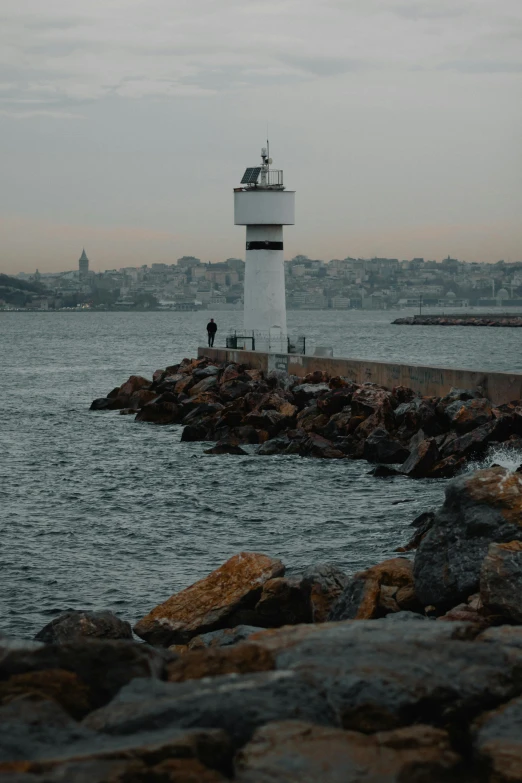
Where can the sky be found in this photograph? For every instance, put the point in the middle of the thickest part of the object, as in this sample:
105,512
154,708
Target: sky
126,124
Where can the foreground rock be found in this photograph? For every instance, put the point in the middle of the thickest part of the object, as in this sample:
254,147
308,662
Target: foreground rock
319,416
480,509
297,752
212,603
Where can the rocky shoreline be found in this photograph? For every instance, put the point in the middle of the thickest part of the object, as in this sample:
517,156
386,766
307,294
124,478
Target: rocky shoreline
408,671
449,320
320,416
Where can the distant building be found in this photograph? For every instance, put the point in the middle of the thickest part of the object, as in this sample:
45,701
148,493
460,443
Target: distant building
83,265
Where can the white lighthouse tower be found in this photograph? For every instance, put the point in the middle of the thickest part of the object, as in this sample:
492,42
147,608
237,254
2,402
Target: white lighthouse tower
264,206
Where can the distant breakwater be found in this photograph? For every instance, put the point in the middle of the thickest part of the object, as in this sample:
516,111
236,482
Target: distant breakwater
460,320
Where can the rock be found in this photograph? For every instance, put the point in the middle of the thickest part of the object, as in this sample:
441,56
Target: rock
203,386
225,637
194,432
336,400
422,523
421,460
383,471
468,414
379,447
472,444
128,411
108,404
141,398
283,601
501,581
498,742
418,414
479,509
241,658
229,374
369,398
226,448
380,675
298,752
210,371
234,390
103,666
447,468
73,625
455,394
317,446
361,598
56,685
134,384
306,392
159,412
238,705
184,385
38,739
211,603
273,446
325,583
269,420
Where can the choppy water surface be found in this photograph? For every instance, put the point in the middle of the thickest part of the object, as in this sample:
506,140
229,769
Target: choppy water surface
97,511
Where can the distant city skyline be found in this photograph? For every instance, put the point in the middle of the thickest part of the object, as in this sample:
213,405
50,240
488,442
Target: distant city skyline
126,125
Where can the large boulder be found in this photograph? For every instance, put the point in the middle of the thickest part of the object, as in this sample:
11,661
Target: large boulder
479,509
422,459
134,383
298,752
211,603
159,412
498,742
74,625
501,581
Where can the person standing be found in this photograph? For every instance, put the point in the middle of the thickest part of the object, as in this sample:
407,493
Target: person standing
211,331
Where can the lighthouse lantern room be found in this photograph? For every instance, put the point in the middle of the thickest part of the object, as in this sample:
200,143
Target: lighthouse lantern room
263,205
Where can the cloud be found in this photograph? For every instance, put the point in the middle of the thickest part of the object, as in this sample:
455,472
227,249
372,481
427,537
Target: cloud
177,48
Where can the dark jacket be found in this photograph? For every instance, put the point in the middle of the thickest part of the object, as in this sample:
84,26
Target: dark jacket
211,327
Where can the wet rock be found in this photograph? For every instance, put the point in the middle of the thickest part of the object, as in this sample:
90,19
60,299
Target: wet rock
210,603
234,390
241,658
238,705
283,601
422,524
274,446
298,752
128,411
418,414
210,371
159,412
184,385
365,596
479,509
501,581
74,625
403,394
108,404
379,447
383,471
455,394
447,468
226,448
316,446
103,666
421,460
472,444
230,373
194,432
468,414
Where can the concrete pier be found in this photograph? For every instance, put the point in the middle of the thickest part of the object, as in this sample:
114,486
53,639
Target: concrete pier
499,387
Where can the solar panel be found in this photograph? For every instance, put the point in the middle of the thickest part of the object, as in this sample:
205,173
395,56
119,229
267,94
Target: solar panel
251,176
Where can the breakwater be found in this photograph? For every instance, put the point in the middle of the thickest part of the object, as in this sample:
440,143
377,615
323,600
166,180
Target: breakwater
330,417
498,387
460,320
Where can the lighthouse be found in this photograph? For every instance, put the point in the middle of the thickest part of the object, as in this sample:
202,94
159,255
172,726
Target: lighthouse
263,205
